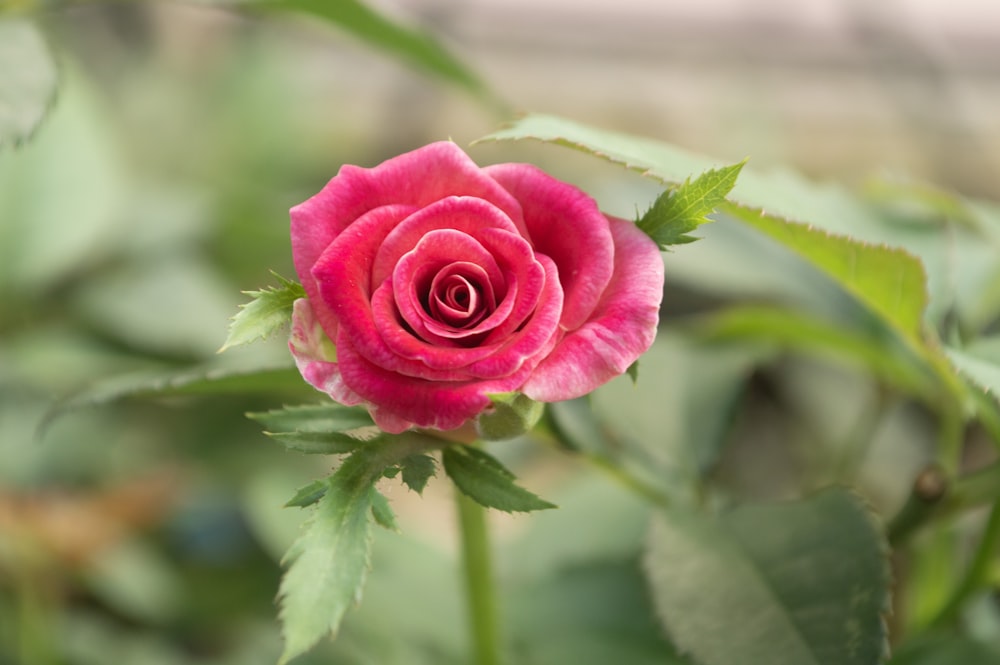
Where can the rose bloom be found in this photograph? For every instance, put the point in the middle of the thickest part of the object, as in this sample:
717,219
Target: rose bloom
433,283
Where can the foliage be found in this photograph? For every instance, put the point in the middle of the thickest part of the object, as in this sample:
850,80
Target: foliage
795,475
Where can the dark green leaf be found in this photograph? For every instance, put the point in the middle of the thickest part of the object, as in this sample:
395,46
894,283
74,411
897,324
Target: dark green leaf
682,209
485,480
946,650
510,415
28,79
268,312
326,417
382,511
633,371
798,583
309,494
325,443
411,45
169,384
893,362
417,470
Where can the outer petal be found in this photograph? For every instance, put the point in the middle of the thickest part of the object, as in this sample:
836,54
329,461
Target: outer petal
416,178
567,225
403,401
623,326
315,355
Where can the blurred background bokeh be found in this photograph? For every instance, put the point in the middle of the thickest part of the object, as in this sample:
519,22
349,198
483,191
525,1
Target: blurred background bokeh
149,530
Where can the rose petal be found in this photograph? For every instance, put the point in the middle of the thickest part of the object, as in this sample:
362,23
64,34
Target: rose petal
415,179
467,215
417,270
414,357
566,224
315,355
404,401
622,329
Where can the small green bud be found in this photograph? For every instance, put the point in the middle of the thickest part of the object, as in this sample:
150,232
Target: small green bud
511,415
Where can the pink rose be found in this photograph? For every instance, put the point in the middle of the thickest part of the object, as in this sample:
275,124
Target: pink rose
433,283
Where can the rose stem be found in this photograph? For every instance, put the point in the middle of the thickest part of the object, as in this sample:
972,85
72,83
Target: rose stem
479,587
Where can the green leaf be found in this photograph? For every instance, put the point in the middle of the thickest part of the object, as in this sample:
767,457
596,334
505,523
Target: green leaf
889,281
660,161
409,44
328,564
417,470
382,511
326,417
680,210
28,80
326,443
802,331
797,583
309,494
980,363
946,650
216,381
488,482
510,415
268,312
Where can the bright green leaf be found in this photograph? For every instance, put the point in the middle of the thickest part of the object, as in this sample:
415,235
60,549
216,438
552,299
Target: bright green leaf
797,583
660,161
888,281
28,79
382,511
488,482
316,418
328,564
417,470
680,210
269,311
330,561
309,494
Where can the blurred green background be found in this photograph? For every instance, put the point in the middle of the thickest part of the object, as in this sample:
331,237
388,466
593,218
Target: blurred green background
157,188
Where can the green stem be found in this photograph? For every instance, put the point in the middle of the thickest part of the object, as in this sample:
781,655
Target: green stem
977,573
479,586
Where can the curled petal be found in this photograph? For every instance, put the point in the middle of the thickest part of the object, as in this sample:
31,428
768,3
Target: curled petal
622,328
315,355
415,179
465,214
403,401
565,224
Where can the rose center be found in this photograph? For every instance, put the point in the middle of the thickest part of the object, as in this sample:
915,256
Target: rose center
460,295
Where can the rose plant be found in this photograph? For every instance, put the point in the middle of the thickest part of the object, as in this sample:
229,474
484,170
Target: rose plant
440,283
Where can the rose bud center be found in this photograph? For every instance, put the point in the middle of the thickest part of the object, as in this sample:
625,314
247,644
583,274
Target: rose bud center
460,295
